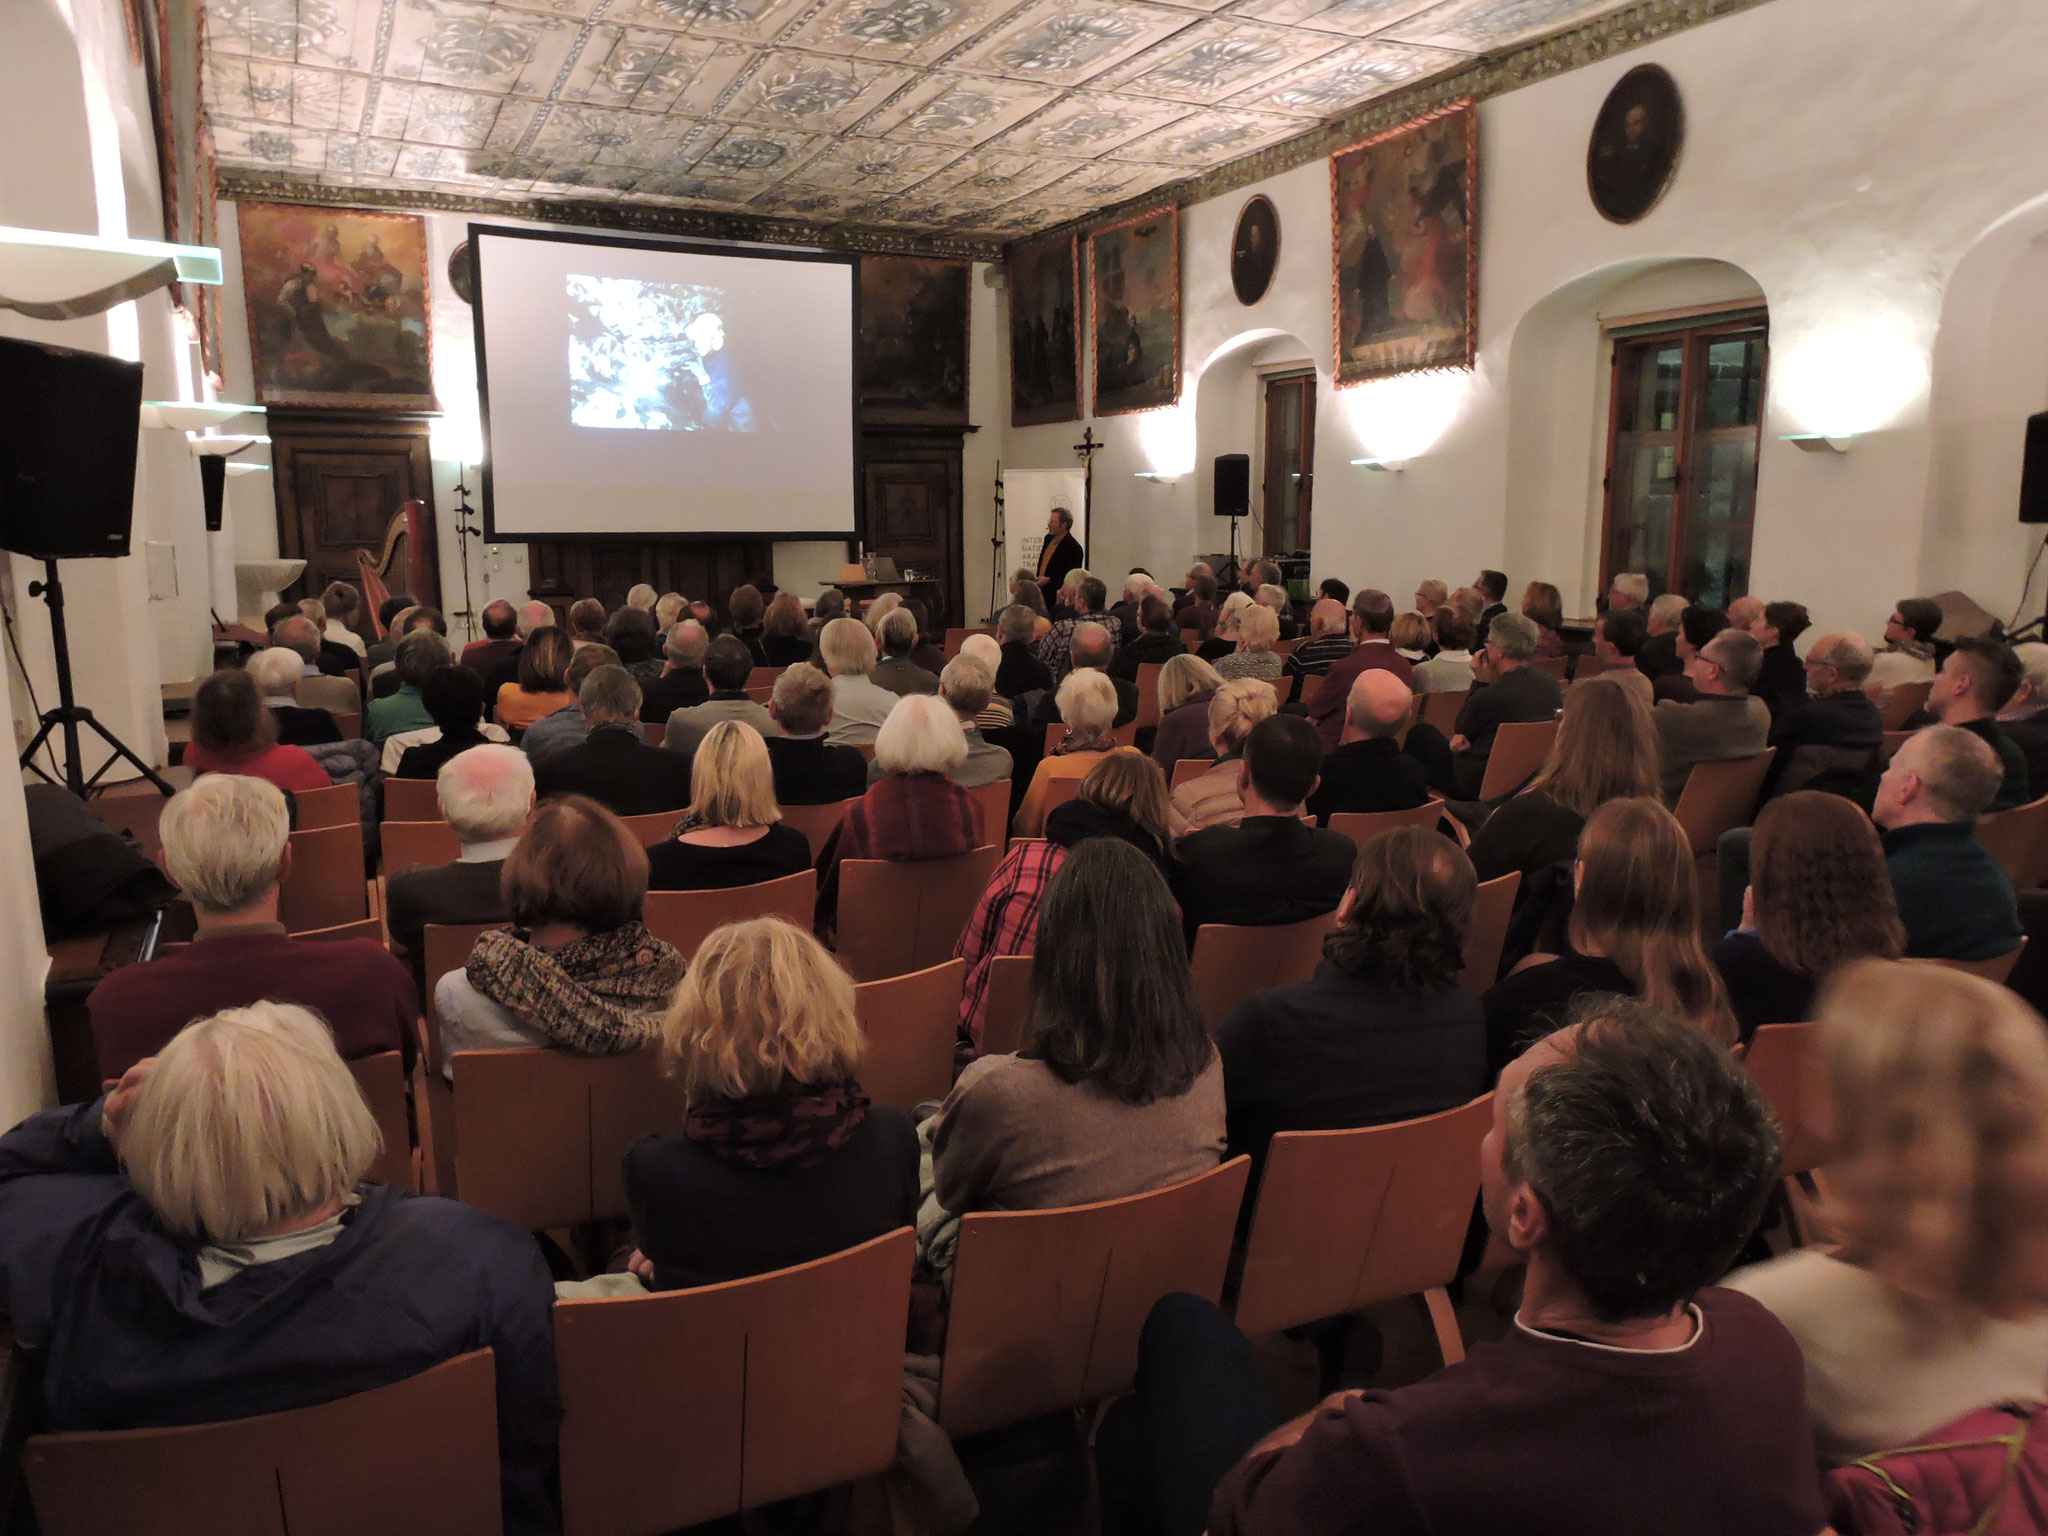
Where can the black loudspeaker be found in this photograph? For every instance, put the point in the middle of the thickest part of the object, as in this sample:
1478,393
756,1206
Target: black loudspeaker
68,423
2034,472
1233,485
213,480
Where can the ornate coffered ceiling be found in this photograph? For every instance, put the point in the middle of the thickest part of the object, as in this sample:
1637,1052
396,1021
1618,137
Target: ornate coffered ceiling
971,121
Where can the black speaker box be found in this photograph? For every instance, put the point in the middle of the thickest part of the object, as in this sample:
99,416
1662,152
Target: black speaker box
2034,473
68,422
1233,485
213,481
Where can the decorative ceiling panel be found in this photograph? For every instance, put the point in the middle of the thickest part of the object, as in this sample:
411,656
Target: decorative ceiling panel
958,120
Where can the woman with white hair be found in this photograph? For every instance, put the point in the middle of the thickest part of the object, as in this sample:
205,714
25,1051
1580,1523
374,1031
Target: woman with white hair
275,672
859,704
1214,799
1258,630
1274,599
1087,704
1223,641
733,833
1001,713
198,1245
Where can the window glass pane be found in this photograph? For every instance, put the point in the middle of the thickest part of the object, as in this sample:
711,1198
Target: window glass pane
1734,382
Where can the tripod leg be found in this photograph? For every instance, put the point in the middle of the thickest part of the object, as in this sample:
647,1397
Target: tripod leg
121,751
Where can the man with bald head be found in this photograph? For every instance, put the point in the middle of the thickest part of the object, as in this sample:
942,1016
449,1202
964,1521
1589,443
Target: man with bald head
1090,648
531,616
1368,771
1832,740
1744,612
501,639
682,684
1327,642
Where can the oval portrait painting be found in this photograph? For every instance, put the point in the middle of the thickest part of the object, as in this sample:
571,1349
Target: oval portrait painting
1636,142
1255,250
462,273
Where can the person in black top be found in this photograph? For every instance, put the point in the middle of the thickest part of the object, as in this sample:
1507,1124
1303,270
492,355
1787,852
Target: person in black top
486,796
1831,741
785,640
1021,671
1977,680
746,614
733,833
1383,1032
631,634
1513,692
1155,642
1696,626
276,672
1269,869
453,696
1493,586
808,771
681,684
1061,552
614,765
1781,682
1369,771
2025,715
781,1158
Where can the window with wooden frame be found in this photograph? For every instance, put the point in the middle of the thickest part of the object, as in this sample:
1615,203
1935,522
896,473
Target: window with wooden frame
1685,419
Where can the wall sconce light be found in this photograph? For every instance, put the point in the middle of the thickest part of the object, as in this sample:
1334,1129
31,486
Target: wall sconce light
1390,466
48,274
1155,477
193,415
222,445
1818,442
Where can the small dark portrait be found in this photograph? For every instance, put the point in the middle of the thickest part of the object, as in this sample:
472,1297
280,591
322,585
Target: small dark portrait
1636,143
1255,250
462,273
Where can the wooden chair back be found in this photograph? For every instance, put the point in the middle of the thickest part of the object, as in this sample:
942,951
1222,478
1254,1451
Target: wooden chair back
350,724
1048,1305
1363,826
762,677
338,805
139,814
539,1134
1784,1062
656,731
866,749
431,843
1126,734
1345,1220
817,822
1148,693
992,803
1558,667
1519,749
690,1406
2018,839
686,918
1492,907
910,1023
895,918
367,928
1996,969
416,1458
1282,686
444,947
1058,792
1232,962
1893,740
1004,1003
325,885
1906,701
1720,796
1187,769
760,696
955,638
412,800
1441,709
381,1081
653,826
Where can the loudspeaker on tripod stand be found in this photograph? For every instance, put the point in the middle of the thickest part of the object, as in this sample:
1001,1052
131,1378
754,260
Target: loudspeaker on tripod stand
68,425
2034,472
1233,485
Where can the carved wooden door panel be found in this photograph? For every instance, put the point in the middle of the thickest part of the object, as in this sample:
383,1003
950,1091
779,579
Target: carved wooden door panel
913,492
338,485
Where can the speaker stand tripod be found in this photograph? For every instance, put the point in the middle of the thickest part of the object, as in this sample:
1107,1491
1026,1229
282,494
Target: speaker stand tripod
1232,573
69,714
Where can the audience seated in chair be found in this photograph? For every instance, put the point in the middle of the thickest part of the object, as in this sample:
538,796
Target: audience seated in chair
733,832
859,706
1124,795
586,618
1696,626
198,1245
1627,1164
343,606
1832,740
781,1159
614,764
1974,684
232,732
1663,625
501,639
1506,690
998,713
1257,633
1618,639
967,686
1450,669
1934,1301
1328,641
1056,648
1383,1032
1215,798
1087,704
785,640
532,616
227,845
1412,638
1723,720
1269,868
896,638
1186,685
276,673
1090,650
1492,587
808,769
454,700
1781,676
1605,750
577,970
1634,929
2025,715
630,634
681,683
1221,641
1118,1089
557,731
1368,771
419,653
541,687
914,810
1151,639
727,665
1908,654
1021,671
1818,897
1954,897
1544,607
335,692
486,796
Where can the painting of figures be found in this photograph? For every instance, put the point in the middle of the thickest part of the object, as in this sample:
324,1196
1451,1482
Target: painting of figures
1045,332
913,338
337,306
1134,305
1407,254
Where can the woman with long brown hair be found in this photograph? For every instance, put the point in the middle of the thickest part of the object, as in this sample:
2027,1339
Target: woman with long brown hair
1819,896
1544,607
1634,929
539,689
1606,749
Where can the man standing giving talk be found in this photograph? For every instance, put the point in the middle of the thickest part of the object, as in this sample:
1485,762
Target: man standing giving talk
1061,554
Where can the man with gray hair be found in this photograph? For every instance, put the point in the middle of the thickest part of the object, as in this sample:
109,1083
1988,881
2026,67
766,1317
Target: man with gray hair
227,846
1954,897
564,728
896,634
1506,690
486,794
808,769
614,764
1839,730
727,665
1369,771
967,685
1663,621
1090,648
318,689
1724,720
419,654
276,673
859,708
1629,589
681,684
1327,641
1055,647
1372,622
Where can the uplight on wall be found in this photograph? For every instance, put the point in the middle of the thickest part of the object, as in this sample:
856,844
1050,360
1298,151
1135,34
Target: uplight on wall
1399,419
1390,466
1839,382
1166,440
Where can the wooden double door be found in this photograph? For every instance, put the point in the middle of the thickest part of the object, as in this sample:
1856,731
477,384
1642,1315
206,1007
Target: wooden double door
340,478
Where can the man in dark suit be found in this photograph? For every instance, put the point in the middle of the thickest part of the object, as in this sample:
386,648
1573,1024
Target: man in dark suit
1833,740
1269,869
682,684
500,642
276,674
897,636
1369,771
615,765
1513,692
1372,621
486,796
1061,553
807,770
1493,586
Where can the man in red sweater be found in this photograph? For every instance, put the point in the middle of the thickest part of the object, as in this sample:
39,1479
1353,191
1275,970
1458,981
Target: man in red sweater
227,844
1372,621
1629,1160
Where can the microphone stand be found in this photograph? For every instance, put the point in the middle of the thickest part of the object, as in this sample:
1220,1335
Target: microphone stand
997,587
464,532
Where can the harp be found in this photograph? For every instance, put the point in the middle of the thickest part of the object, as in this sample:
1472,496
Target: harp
406,536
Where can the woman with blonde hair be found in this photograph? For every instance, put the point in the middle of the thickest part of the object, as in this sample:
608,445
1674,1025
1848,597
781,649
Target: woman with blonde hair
781,1159
879,610
1932,1302
733,832
1087,704
1186,685
1223,640
1411,636
1634,929
1214,799
1606,749
1257,633
1543,606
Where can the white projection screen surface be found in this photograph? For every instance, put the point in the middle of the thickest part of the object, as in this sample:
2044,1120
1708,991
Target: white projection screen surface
636,388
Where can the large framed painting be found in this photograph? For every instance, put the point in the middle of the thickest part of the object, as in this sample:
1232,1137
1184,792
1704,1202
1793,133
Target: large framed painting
1407,248
337,306
913,339
1045,332
1134,306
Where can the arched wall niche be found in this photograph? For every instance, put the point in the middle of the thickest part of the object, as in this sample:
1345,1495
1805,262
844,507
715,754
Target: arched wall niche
1229,417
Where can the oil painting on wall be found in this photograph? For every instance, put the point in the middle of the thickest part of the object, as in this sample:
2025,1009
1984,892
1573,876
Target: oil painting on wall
1134,306
913,338
1045,332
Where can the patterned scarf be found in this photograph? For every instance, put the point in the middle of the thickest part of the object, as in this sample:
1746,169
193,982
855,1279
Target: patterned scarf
794,1129
597,995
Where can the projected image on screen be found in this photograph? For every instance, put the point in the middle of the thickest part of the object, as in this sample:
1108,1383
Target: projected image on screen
651,357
